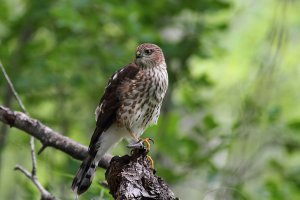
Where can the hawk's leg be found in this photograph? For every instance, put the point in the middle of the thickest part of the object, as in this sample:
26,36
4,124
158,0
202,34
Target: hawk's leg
136,143
133,135
142,144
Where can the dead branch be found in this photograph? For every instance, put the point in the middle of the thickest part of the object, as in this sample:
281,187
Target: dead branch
47,136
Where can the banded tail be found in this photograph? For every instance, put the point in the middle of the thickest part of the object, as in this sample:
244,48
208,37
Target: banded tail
85,175
86,172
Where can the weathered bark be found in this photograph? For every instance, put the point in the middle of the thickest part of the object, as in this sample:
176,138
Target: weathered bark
131,177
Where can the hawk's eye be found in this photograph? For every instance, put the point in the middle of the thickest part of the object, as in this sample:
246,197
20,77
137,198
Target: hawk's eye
148,51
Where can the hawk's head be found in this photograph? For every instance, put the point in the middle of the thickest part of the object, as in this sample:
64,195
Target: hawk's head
149,55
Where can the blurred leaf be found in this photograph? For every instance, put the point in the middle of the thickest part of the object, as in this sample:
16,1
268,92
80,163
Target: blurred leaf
274,113
295,125
210,122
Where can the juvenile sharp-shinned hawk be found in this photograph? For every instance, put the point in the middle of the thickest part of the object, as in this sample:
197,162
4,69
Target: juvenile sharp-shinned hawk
131,102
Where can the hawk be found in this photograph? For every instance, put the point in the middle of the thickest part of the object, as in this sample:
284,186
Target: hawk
131,102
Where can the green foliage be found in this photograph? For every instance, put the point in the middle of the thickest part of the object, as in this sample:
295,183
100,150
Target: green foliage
229,127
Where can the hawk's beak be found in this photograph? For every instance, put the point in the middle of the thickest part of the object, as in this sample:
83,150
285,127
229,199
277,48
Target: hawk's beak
138,54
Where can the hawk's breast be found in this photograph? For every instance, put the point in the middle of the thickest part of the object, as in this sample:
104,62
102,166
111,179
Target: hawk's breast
142,98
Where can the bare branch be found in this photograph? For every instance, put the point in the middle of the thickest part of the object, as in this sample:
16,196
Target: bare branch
44,193
47,136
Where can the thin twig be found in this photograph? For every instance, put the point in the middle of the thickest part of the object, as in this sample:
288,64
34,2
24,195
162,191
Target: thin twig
33,156
45,194
23,170
13,89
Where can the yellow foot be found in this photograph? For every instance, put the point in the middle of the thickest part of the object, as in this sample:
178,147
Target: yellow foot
148,146
147,143
143,144
151,161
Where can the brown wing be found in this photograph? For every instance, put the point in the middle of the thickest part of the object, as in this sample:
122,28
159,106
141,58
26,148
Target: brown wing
110,102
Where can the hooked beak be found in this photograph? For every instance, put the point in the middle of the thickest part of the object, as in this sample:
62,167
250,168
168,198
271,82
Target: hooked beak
138,55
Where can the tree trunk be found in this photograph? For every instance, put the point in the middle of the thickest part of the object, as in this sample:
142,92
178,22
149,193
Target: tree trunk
131,177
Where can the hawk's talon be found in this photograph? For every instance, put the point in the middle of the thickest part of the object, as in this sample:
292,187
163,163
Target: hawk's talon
151,161
147,141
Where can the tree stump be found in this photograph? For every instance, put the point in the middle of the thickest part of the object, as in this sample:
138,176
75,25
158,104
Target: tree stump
131,177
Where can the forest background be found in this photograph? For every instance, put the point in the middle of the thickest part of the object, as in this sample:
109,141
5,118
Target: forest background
229,127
